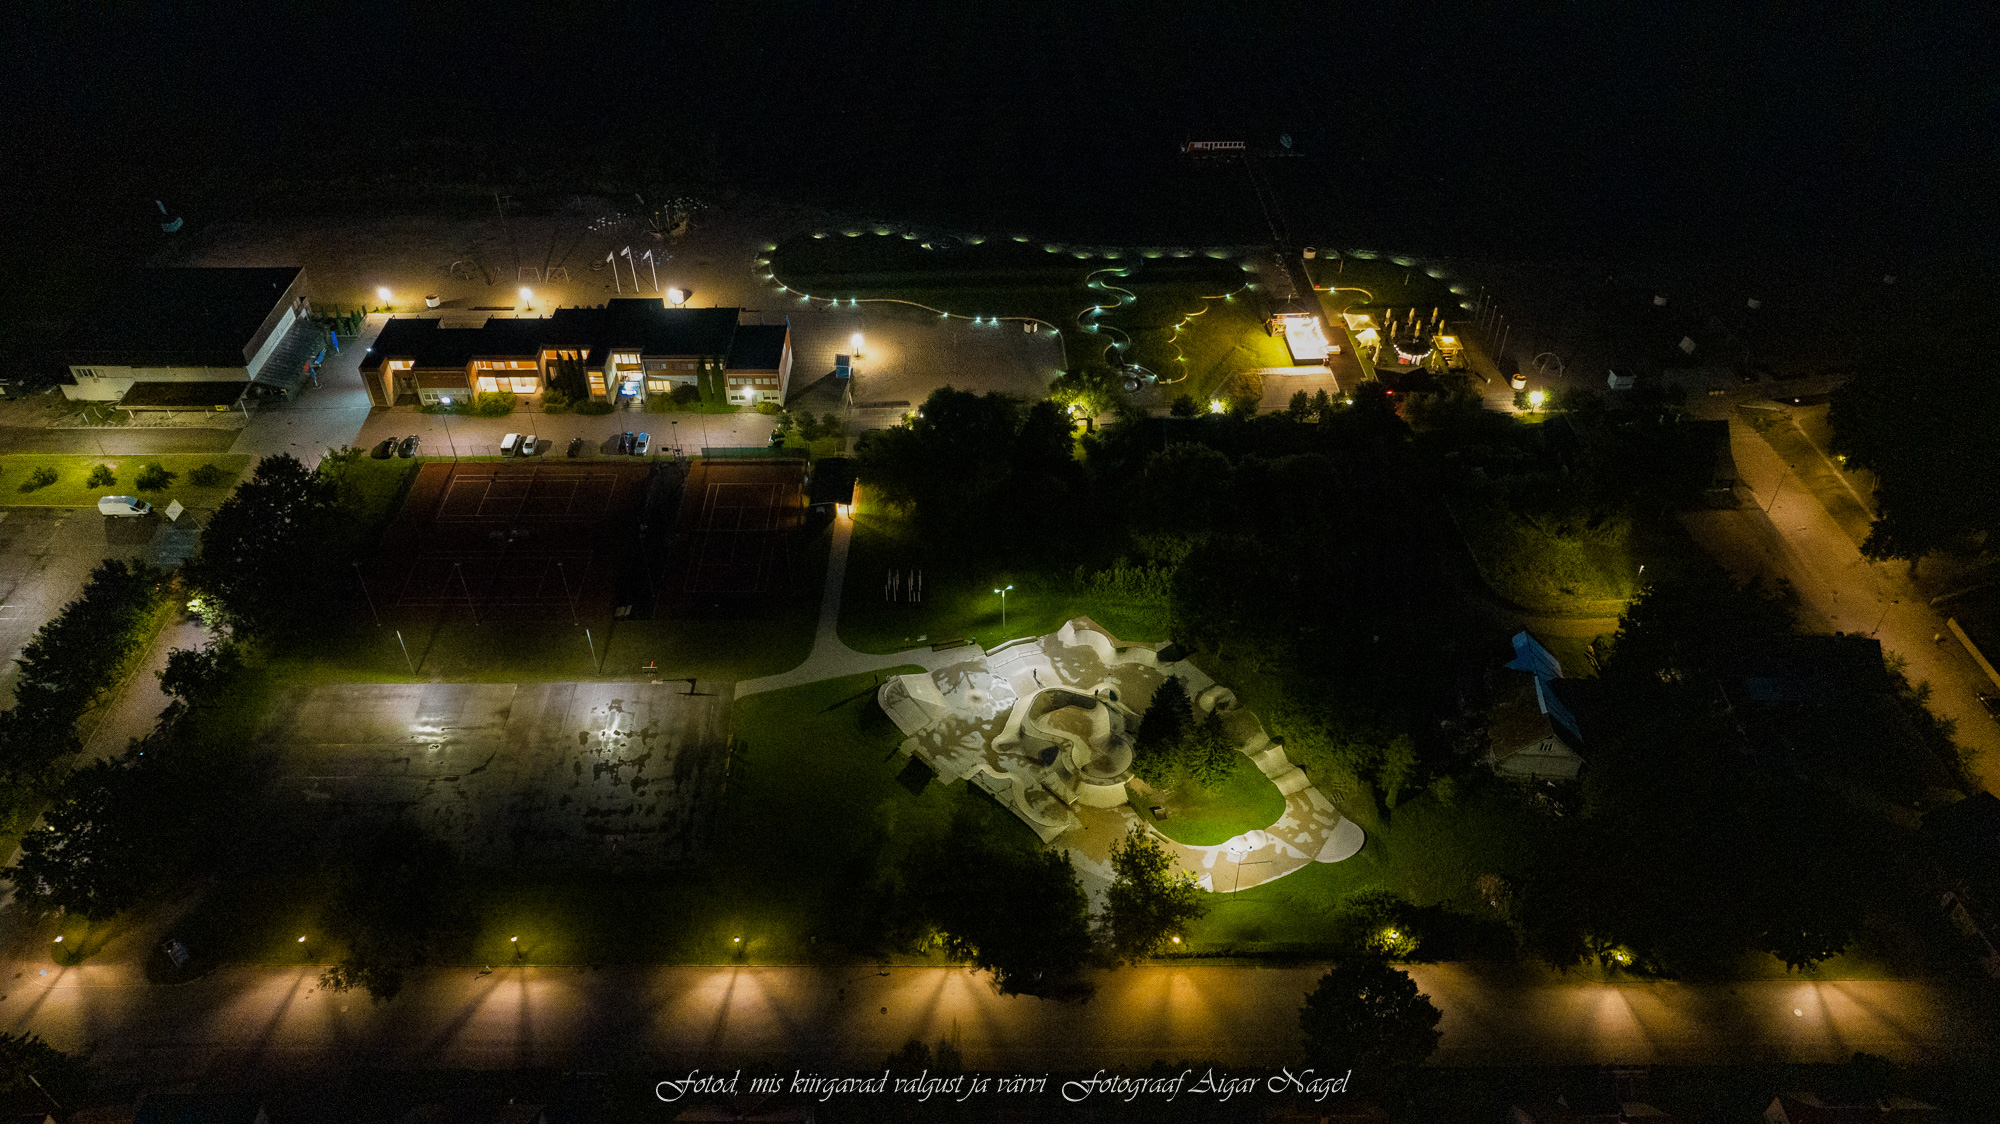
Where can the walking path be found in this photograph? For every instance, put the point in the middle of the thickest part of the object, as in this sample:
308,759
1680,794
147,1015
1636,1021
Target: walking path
830,656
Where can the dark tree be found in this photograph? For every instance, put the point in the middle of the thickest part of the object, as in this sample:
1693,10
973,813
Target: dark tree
71,661
116,830
1150,902
1211,753
269,550
1167,719
568,383
1022,917
1322,406
1930,432
32,1070
1367,1014
1183,491
394,910
1300,408
1184,406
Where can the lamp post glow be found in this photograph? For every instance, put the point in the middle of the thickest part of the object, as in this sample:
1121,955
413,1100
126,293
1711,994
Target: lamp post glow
1003,605
1536,398
677,296
527,299
382,291
855,339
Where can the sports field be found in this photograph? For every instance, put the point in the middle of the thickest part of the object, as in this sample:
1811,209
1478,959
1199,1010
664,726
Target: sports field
739,525
517,542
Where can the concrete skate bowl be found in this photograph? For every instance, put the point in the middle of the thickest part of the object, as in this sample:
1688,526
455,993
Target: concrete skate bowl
1083,730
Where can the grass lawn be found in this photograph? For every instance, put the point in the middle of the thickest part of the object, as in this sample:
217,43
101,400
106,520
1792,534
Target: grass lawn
1429,853
1224,340
1352,284
959,602
1535,569
1204,817
69,489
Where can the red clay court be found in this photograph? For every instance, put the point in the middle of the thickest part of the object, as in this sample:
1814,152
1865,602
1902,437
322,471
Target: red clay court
738,523
512,541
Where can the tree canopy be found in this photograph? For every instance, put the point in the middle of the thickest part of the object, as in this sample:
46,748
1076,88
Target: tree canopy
268,549
1368,1014
1150,902
1930,432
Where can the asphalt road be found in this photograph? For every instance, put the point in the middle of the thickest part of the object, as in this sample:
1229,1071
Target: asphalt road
1800,526
45,555
239,1021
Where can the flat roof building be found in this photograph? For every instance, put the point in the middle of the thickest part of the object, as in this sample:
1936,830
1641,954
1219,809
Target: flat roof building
630,348
219,326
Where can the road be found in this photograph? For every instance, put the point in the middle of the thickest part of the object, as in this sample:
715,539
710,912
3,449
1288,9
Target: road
1802,526
242,1020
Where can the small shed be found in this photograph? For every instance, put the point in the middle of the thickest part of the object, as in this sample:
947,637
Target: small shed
831,480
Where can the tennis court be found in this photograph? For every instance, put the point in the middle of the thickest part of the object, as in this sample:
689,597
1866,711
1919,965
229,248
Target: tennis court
738,522
519,542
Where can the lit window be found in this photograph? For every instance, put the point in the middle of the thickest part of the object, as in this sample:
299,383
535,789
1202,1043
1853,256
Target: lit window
527,384
488,384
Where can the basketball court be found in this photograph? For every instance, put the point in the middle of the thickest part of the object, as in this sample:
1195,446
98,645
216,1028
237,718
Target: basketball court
739,522
540,541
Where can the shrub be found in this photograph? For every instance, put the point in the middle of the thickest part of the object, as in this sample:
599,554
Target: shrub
207,476
1184,406
769,408
685,394
40,478
101,476
594,408
494,405
155,477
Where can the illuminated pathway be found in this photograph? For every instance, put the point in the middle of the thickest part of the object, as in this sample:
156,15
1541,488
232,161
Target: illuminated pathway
244,1019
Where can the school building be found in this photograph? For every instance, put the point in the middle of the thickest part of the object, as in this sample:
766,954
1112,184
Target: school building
630,349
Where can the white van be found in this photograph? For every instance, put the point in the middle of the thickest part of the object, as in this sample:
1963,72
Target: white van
123,505
510,444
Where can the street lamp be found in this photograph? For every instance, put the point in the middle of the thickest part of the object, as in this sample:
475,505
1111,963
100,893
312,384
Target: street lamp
677,296
527,299
1536,398
382,291
856,341
1003,605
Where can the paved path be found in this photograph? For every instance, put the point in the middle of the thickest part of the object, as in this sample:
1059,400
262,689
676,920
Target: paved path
830,655
242,1019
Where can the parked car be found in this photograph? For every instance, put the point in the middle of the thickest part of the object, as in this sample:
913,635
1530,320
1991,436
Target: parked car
123,506
384,449
645,443
510,444
625,442
529,444
575,446
409,446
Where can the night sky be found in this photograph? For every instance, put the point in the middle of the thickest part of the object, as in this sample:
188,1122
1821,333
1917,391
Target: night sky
1558,131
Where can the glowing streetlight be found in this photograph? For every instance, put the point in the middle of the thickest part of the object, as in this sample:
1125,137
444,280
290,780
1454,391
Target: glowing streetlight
527,299
855,339
382,291
59,940
1536,398
1003,605
1218,406
302,940
677,297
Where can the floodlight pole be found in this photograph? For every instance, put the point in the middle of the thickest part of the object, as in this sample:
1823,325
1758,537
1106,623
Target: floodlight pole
406,652
1003,605
587,639
364,592
459,569
567,595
